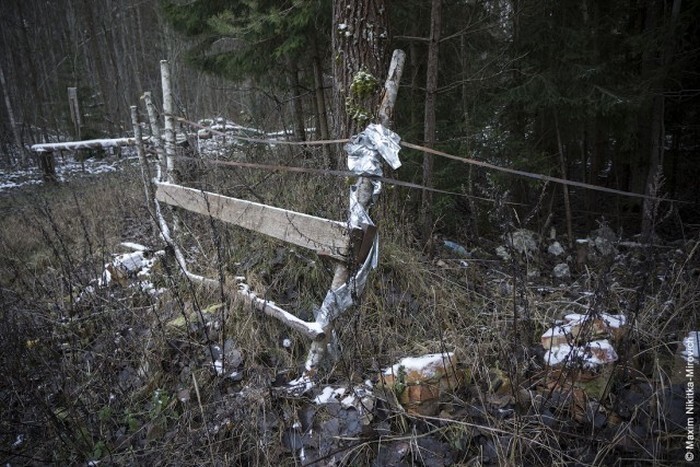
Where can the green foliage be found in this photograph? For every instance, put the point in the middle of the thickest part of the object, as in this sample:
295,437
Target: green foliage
239,39
192,18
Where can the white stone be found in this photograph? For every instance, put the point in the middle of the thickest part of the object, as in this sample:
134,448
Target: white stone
561,271
555,249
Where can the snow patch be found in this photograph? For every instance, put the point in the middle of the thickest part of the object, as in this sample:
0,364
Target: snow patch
426,364
563,345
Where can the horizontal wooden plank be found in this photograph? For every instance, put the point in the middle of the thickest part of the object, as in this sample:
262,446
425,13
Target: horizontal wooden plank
326,237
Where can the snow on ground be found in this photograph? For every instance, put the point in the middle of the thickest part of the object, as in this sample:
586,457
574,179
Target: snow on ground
209,144
66,169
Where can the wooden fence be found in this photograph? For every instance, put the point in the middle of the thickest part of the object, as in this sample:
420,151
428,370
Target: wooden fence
351,243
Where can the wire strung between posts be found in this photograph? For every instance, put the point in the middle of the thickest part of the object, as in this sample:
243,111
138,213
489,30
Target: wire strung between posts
435,152
264,140
339,173
546,178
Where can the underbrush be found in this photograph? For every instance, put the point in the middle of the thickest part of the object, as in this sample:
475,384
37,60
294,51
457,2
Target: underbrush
191,376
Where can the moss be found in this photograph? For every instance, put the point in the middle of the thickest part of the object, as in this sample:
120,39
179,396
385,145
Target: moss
364,85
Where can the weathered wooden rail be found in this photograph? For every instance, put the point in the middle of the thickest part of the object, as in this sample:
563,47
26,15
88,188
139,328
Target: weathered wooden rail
323,236
86,144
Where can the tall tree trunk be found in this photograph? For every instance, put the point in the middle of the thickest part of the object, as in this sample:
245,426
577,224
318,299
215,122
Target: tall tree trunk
320,100
360,38
597,157
657,133
13,123
321,106
429,117
96,56
565,188
465,147
321,112
118,82
297,105
38,97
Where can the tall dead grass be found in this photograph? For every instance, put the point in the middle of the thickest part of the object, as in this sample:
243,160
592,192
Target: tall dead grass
104,374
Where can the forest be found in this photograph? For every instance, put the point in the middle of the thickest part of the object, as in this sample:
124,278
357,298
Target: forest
349,232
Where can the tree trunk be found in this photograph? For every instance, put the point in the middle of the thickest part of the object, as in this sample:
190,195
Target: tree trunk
429,118
321,106
13,123
565,188
597,153
657,133
360,38
118,82
97,56
297,106
320,94
363,192
155,134
38,100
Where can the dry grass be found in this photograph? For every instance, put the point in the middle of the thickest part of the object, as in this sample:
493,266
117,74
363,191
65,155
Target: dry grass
107,377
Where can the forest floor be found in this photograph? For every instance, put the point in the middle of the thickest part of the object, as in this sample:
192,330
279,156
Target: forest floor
157,370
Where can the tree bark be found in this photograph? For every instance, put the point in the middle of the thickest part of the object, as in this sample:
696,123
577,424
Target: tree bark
359,38
297,105
13,123
429,118
657,133
97,57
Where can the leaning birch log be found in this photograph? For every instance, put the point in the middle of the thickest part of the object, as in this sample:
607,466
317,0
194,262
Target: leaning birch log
179,257
312,331
363,190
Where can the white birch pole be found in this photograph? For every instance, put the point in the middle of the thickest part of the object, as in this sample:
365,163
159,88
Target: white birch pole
169,121
164,229
106,143
155,133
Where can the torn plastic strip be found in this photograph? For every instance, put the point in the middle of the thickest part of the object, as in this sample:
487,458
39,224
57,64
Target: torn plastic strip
358,217
340,299
365,147
363,151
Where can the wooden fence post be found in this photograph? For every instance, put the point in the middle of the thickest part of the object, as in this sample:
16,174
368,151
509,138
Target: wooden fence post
163,165
140,150
75,111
